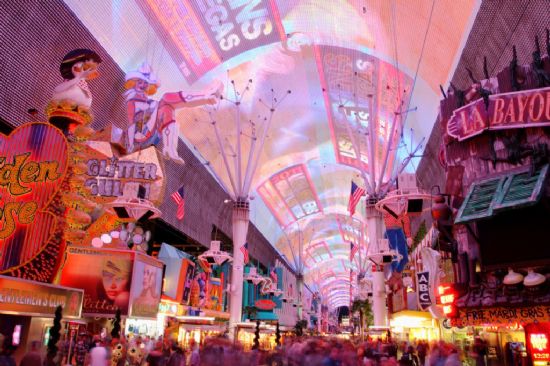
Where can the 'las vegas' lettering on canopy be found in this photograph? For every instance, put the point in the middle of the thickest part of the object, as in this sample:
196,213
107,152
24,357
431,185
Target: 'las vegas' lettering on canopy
521,109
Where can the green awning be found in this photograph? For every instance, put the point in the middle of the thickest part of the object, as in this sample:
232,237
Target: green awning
489,196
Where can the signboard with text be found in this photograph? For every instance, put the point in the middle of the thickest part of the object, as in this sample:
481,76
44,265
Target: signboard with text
530,108
23,297
33,163
202,34
133,176
501,315
423,284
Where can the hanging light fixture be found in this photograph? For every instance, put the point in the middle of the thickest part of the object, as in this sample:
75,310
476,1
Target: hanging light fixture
214,255
512,278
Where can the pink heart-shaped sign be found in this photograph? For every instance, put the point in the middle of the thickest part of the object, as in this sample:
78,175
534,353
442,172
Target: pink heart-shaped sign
33,164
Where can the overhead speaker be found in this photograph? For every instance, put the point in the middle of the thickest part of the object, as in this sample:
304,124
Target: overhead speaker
390,211
121,212
141,192
146,216
414,206
387,259
210,260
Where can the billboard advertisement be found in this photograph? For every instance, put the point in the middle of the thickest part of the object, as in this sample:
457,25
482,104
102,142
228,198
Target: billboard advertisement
146,287
104,275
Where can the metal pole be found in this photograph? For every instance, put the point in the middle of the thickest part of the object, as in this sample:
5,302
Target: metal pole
248,181
387,154
358,157
240,218
401,168
249,163
374,226
239,157
371,140
222,151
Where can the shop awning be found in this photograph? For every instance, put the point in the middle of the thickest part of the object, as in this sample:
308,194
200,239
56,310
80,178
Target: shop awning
489,196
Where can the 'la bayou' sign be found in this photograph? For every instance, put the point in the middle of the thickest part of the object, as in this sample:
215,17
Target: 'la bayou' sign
530,108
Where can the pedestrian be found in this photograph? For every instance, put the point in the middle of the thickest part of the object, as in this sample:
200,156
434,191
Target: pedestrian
195,355
177,357
409,358
32,357
453,359
156,356
81,350
6,354
422,351
99,354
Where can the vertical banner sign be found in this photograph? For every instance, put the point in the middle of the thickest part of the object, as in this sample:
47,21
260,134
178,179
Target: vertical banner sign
33,163
423,283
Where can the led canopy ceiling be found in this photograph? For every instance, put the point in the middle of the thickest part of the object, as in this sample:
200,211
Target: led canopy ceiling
364,77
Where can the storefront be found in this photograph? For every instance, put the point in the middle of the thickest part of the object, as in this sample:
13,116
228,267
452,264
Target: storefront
409,325
27,309
246,332
504,330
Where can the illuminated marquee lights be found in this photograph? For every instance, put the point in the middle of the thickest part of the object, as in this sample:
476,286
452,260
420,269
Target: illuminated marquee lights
201,34
446,296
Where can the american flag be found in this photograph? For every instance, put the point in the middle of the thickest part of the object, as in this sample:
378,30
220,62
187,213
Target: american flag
244,250
352,250
273,275
179,197
354,197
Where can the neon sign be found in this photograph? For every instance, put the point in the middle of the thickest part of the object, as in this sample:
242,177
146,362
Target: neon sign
539,341
15,178
447,297
538,345
33,163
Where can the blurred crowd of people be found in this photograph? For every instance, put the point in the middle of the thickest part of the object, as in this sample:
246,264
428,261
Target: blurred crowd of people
220,351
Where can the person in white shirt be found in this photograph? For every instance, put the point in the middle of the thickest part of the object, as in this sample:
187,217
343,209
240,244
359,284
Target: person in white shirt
98,354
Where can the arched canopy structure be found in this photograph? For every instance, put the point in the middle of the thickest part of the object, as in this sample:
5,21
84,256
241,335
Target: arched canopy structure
355,69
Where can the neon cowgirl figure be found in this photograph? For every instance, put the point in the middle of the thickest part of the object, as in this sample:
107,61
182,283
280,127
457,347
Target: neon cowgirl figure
149,120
